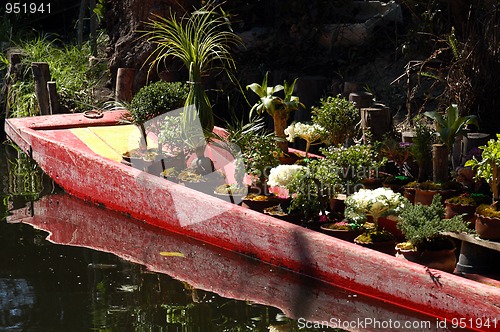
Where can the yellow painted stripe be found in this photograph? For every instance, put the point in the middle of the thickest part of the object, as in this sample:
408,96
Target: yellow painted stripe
111,141
96,144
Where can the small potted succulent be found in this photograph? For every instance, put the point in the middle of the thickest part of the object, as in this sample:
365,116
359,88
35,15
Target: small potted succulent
423,227
488,168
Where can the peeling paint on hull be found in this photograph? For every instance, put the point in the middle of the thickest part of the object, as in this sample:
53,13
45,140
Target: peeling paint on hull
91,177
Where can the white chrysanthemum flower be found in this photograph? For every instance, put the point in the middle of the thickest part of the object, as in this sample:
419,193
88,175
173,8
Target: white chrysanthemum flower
375,203
282,175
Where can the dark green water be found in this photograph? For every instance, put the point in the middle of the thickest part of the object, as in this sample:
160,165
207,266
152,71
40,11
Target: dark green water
103,272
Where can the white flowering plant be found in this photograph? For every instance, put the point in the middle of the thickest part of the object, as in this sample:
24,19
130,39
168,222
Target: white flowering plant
313,134
280,176
376,203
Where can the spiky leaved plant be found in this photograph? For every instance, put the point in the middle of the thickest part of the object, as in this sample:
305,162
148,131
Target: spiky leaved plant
202,40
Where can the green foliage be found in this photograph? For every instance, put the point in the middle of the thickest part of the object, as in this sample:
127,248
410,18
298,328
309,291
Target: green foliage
487,167
170,135
253,144
156,99
353,163
423,223
338,116
69,68
202,40
421,149
451,125
306,196
268,100
472,199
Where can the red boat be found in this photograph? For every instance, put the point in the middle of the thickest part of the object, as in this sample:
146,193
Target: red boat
58,144
207,267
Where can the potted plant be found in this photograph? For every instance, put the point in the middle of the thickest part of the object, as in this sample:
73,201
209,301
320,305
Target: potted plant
145,111
372,205
343,229
423,227
202,40
279,108
353,164
260,154
421,151
425,191
465,205
338,117
309,195
448,128
488,168
398,157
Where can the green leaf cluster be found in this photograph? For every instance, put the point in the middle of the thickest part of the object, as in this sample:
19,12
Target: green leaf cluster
488,166
338,116
353,163
450,125
202,40
421,224
156,99
270,102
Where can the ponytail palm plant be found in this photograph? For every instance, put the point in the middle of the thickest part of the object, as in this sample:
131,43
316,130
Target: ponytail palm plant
202,40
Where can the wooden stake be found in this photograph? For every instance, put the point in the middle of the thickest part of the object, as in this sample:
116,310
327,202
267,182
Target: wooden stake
15,63
439,163
124,83
41,75
53,98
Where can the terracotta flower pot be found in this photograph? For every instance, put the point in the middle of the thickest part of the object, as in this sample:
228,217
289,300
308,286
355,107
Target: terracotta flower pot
459,209
444,260
343,234
487,228
425,197
409,194
389,224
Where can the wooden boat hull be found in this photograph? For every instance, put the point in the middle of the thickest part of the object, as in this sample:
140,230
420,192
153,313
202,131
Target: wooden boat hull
91,177
202,266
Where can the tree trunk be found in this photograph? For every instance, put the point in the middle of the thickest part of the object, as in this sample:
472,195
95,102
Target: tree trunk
280,119
439,163
124,20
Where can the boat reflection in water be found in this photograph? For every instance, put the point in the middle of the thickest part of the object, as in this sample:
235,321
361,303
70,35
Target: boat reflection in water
205,268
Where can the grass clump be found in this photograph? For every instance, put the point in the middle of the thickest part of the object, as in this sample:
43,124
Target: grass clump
74,69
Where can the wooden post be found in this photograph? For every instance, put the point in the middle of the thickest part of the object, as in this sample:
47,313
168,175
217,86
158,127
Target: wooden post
361,99
124,84
41,75
53,98
439,163
15,63
93,28
81,17
377,120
